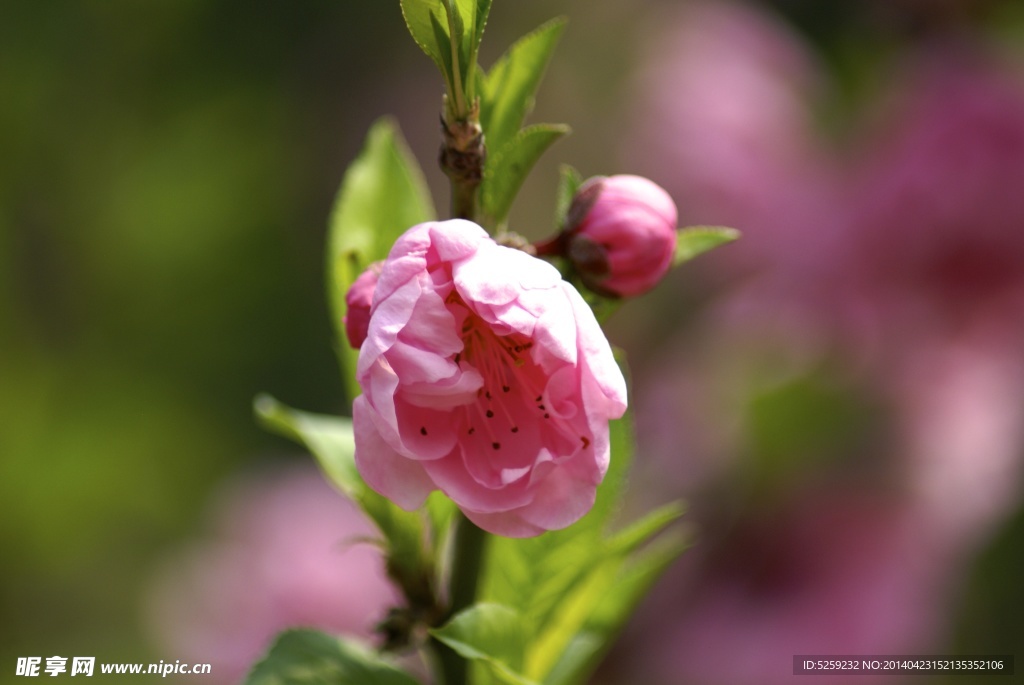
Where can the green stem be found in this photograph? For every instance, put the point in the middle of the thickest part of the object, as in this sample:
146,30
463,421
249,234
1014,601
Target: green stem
469,546
464,200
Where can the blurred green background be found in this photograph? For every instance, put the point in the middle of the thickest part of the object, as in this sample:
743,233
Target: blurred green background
166,171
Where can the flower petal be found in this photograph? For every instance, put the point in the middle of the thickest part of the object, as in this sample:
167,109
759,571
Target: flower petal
401,480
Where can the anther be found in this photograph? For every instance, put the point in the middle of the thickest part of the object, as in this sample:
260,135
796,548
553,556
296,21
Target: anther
547,416
515,429
490,414
586,443
472,430
506,388
423,430
496,445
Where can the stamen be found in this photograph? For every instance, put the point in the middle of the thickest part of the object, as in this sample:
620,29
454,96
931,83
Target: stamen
423,430
496,445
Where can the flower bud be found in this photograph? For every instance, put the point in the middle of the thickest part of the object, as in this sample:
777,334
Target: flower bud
621,234
357,301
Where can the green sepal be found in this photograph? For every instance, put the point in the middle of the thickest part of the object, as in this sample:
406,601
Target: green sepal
693,241
309,657
382,194
569,181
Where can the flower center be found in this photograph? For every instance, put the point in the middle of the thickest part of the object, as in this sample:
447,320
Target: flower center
511,407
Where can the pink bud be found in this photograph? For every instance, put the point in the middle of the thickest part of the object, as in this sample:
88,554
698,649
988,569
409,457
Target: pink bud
358,300
621,234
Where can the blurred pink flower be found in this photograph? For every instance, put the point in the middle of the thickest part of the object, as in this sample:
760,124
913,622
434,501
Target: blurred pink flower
286,551
725,124
624,243
961,410
830,571
937,234
486,376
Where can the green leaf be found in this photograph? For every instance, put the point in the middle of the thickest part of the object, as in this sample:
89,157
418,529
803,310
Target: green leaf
308,657
331,441
508,167
511,85
584,651
432,28
491,633
639,532
696,240
329,438
569,182
382,194
598,606
428,23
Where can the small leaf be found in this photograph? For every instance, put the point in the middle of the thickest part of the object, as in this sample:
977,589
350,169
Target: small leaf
424,18
331,441
639,532
512,83
432,28
581,656
696,240
329,438
382,194
308,657
569,182
491,633
507,168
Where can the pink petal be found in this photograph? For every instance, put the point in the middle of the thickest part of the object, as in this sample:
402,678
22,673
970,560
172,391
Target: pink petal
401,480
507,524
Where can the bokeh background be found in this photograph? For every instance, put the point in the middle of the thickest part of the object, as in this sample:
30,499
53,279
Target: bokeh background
839,396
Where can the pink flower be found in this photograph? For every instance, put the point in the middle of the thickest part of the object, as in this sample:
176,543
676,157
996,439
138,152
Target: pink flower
486,376
624,243
357,301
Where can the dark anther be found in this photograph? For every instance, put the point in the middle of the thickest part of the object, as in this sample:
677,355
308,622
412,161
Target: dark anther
487,394
586,443
472,430
496,445
423,430
490,414
540,406
547,416
505,388
539,398
515,429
